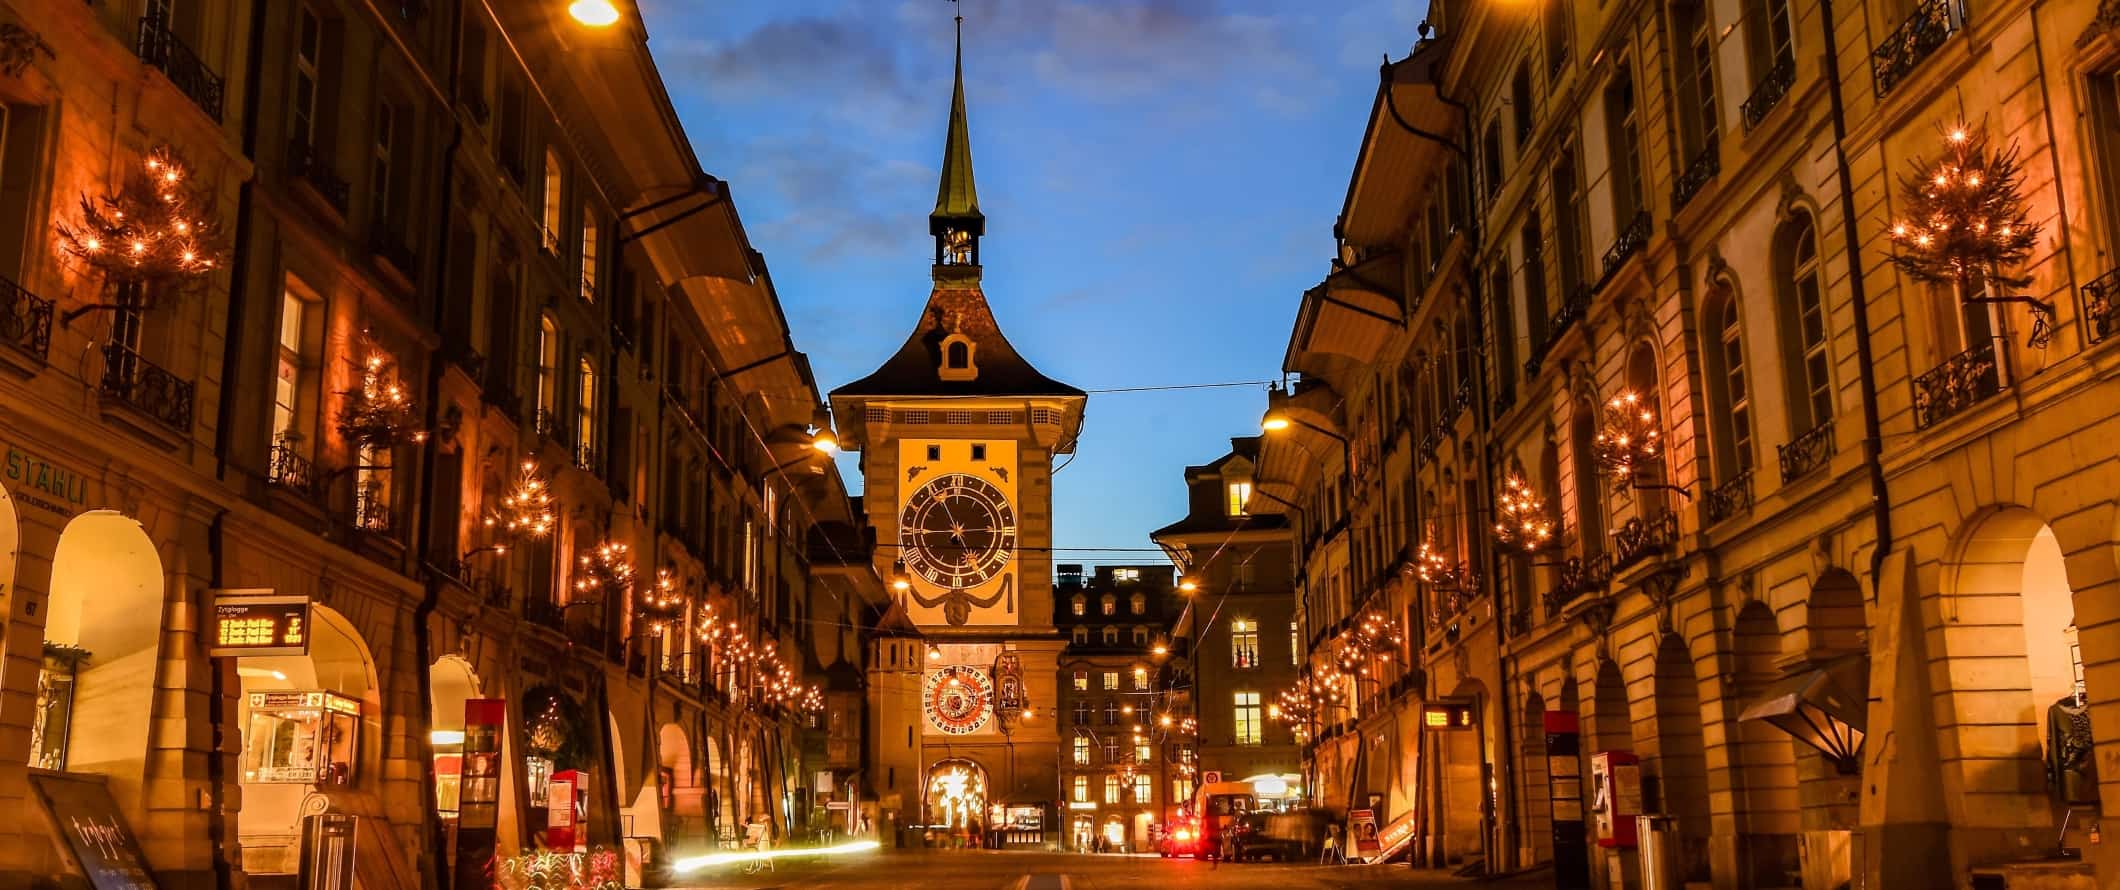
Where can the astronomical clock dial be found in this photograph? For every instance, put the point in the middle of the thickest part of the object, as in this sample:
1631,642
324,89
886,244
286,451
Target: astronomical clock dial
958,699
957,531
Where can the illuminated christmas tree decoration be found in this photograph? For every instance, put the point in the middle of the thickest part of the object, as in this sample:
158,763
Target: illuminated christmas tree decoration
1630,441
608,569
1966,222
167,236
1520,515
378,413
525,512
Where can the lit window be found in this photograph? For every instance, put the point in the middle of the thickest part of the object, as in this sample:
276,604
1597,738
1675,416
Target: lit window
585,417
1139,603
1143,790
1144,752
1111,789
1110,605
1250,726
287,387
1140,678
1081,681
588,256
1111,680
1126,574
1081,789
1081,751
1295,646
1239,494
1181,788
550,219
1243,643
1081,606
547,366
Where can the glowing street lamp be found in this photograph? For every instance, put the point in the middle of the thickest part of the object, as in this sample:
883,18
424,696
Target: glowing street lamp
594,13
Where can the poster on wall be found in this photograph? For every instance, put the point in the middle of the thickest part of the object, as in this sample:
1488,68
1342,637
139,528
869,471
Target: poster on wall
1362,827
90,827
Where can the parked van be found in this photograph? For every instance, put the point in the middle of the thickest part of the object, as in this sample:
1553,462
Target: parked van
1216,807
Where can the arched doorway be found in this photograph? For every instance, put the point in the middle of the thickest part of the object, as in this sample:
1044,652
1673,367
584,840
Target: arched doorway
450,683
1835,642
2012,567
1681,765
102,634
677,788
309,723
1765,757
954,796
1611,729
1535,836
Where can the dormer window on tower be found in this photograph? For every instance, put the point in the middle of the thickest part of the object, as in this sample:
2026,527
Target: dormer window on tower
959,355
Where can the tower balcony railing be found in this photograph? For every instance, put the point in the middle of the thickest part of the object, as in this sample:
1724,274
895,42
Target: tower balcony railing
293,472
1630,242
1728,499
1768,93
146,387
159,46
1913,42
25,320
1962,381
1579,575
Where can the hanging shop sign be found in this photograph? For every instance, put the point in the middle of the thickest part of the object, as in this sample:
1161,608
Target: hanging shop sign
1446,716
91,828
255,621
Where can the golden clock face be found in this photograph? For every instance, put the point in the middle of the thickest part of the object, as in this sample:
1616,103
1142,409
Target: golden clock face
957,531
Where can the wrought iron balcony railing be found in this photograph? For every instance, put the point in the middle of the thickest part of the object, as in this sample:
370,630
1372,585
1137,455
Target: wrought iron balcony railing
1913,42
293,472
146,387
314,170
1769,92
547,425
1962,381
1579,575
388,246
1806,452
25,320
371,508
1628,244
1640,539
587,459
1572,310
1698,173
160,47
2102,309
1728,499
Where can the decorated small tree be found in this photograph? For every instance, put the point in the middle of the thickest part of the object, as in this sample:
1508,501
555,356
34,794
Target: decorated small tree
155,232
378,414
1966,224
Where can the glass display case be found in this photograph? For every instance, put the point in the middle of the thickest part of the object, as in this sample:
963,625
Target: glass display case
301,738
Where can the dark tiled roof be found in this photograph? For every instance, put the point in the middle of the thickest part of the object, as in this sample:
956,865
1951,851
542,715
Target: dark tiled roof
1217,522
957,307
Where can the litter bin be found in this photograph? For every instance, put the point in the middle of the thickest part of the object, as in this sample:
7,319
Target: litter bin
1653,837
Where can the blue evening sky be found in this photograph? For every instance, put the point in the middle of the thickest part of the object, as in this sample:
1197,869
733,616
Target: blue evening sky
1160,179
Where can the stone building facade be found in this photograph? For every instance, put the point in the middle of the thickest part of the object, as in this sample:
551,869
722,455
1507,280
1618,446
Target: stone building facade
1689,208
435,281
1125,760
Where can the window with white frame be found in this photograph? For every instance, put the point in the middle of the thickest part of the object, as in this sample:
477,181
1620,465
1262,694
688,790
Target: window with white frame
1081,751
1239,495
1250,719
1081,681
1243,644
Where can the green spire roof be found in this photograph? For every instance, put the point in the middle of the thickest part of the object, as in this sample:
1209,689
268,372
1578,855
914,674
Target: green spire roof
957,199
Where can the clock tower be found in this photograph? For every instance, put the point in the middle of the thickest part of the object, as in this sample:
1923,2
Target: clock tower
957,434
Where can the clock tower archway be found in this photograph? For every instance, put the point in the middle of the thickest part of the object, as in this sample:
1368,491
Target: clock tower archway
958,434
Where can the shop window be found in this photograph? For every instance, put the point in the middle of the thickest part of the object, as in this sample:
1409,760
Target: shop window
301,738
55,704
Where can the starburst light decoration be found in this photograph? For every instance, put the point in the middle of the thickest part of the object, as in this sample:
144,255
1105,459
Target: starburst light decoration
378,414
662,604
606,570
154,231
525,512
1629,442
1966,222
1520,517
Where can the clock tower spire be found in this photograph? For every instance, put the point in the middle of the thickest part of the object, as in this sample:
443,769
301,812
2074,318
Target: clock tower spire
956,221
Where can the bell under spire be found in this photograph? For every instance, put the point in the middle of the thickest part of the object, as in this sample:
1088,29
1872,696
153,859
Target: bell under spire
956,221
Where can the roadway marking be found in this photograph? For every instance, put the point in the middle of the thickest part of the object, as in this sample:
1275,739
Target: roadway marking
1044,882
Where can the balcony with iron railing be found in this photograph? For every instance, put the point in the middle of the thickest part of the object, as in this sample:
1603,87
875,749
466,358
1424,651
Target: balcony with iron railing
388,245
1913,42
2101,308
292,472
1806,453
159,46
1962,381
371,507
1728,499
146,388
25,320
1579,575
1630,242
1638,539
1706,164
1572,310
547,425
312,169
1768,93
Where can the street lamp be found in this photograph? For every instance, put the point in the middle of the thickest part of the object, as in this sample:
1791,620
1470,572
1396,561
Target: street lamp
594,13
